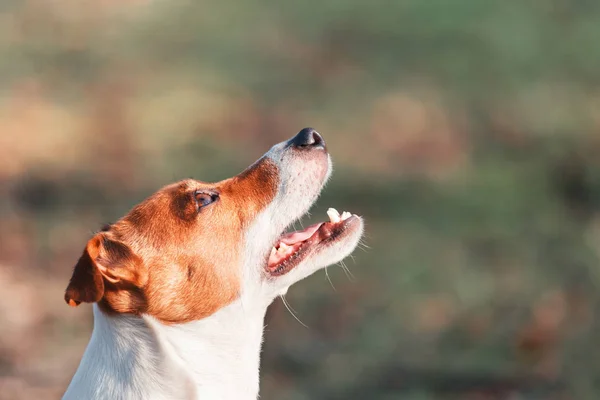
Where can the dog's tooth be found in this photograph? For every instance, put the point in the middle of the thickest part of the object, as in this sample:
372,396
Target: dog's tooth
282,247
334,215
345,215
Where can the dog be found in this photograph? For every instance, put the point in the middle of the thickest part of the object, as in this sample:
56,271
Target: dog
181,284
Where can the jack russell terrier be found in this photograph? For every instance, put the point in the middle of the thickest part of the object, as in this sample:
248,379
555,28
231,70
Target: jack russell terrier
181,284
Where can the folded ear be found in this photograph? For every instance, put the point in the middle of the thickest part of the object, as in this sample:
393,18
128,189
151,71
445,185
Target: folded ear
102,260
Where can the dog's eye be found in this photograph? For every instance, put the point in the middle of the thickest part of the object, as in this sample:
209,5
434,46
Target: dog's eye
205,198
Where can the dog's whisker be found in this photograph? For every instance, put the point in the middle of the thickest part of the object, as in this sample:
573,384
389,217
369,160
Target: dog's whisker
289,308
362,244
349,274
329,279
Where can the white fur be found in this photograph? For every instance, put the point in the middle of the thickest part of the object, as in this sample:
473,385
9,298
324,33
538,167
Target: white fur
218,357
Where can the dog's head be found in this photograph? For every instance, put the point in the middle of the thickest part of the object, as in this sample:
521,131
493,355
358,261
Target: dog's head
194,247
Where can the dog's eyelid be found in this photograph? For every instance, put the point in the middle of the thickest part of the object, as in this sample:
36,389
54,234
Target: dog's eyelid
204,198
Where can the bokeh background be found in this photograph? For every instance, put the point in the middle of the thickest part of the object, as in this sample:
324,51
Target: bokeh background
466,132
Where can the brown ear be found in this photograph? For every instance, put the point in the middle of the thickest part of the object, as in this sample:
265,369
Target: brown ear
86,284
103,259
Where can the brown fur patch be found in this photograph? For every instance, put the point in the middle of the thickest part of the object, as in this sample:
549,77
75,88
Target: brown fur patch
167,259
86,284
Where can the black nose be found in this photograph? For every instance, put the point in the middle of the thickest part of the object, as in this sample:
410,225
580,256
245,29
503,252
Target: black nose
307,138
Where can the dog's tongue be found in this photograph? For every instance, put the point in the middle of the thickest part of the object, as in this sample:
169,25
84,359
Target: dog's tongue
300,236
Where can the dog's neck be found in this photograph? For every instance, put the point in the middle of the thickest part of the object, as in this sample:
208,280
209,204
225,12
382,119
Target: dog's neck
132,357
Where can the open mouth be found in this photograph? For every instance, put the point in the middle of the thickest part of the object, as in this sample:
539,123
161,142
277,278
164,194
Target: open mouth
293,247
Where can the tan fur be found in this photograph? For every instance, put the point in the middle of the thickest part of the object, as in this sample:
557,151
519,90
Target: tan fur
166,259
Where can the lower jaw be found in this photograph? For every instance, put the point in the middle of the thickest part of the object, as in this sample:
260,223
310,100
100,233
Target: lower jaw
326,232
289,263
281,270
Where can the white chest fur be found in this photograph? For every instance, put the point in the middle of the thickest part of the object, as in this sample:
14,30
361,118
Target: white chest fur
132,357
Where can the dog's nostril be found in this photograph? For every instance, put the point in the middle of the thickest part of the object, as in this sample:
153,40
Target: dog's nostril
308,137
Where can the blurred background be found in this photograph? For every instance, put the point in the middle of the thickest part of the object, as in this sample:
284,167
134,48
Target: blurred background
466,132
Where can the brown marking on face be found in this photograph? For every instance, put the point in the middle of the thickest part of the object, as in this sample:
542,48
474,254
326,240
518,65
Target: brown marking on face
169,259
